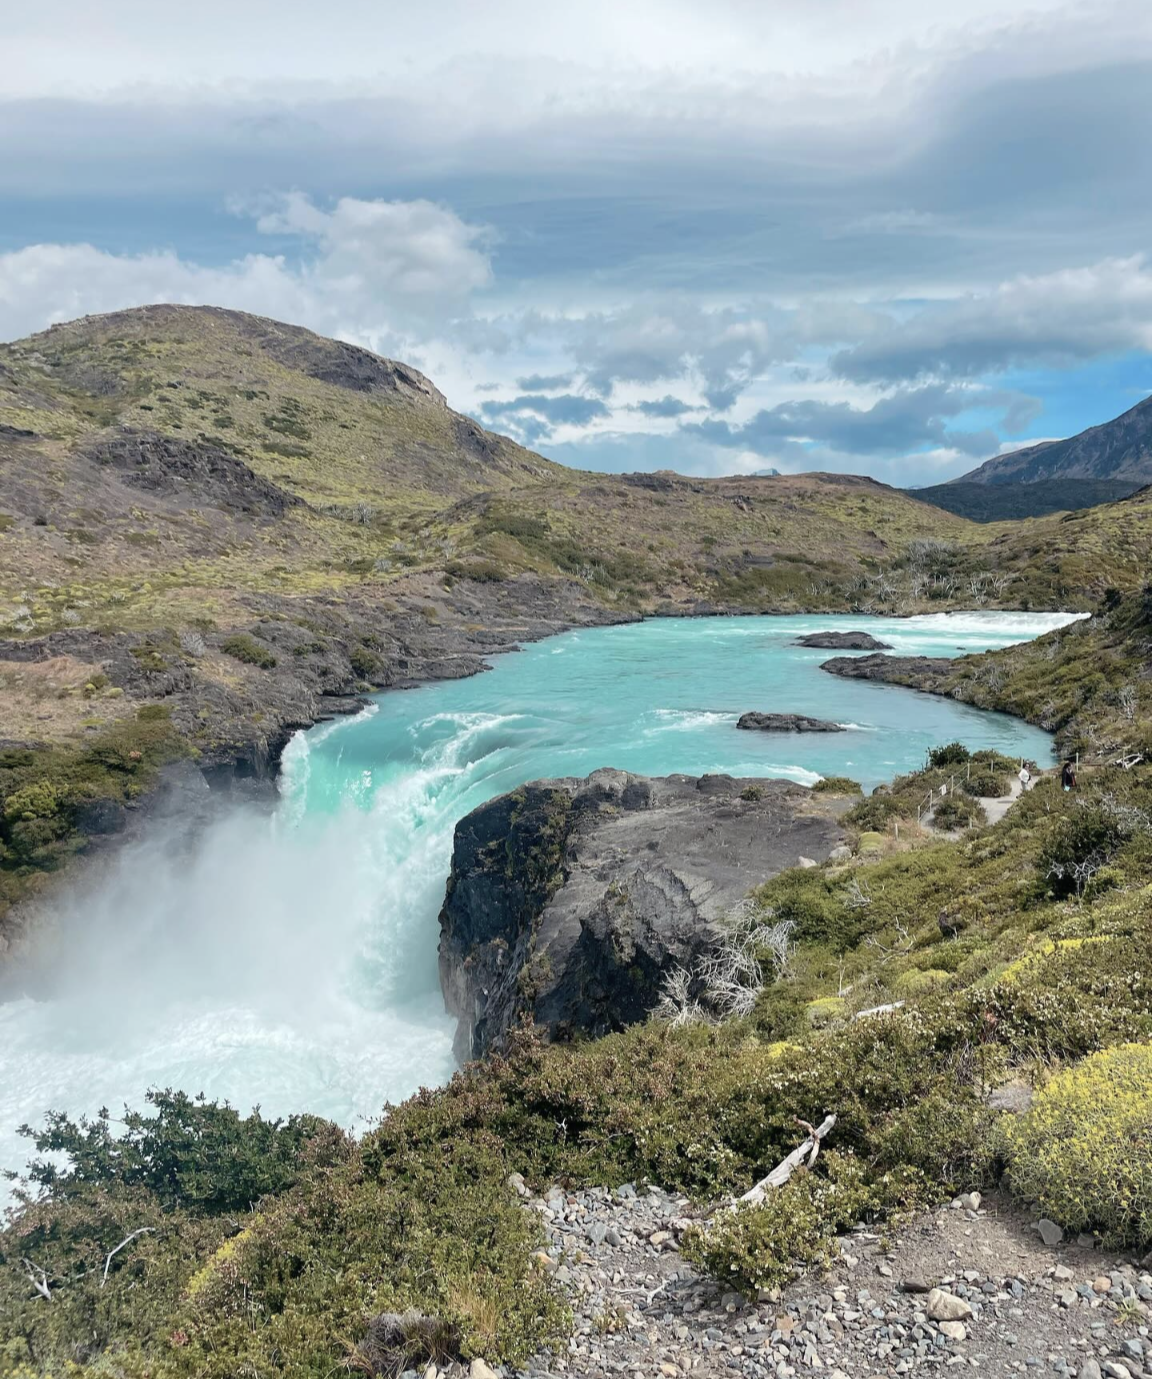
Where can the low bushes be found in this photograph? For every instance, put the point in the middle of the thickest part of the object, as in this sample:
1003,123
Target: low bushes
987,784
763,1247
47,794
951,754
1083,1152
192,1153
837,785
246,648
956,811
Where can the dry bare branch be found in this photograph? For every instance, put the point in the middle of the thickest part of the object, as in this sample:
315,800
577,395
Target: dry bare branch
38,1279
128,1239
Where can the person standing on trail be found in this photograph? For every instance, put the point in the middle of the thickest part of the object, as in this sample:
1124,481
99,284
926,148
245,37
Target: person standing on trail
1025,777
1068,776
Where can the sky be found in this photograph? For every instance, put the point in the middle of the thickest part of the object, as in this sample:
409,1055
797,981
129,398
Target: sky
870,236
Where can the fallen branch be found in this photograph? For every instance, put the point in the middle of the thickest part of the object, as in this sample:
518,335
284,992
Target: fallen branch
785,1169
128,1239
878,1010
38,1279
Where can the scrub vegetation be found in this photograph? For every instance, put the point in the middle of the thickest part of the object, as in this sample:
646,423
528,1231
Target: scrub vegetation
274,1245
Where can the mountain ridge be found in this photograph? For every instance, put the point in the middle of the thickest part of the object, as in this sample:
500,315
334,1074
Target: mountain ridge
1113,450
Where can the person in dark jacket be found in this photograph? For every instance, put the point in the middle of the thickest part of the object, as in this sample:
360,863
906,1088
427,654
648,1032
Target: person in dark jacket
1068,776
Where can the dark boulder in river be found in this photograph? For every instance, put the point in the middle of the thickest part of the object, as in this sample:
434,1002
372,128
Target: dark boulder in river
843,641
917,672
570,900
788,723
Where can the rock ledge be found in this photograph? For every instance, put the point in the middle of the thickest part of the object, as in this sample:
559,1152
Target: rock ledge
569,900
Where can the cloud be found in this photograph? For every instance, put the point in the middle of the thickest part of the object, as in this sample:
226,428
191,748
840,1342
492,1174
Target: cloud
369,268
544,382
667,406
534,410
910,419
406,250
1053,319
659,339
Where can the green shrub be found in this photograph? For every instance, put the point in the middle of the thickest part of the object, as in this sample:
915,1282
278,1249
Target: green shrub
951,754
366,663
192,1153
762,1247
874,814
956,811
917,981
1083,1152
837,785
1081,843
986,784
247,649
39,800
482,571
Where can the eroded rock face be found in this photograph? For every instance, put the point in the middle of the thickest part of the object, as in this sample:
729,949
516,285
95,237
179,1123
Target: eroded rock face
196,470
788,723
569,900
843,641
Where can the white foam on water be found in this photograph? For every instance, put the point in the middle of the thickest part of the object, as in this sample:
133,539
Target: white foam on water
687,720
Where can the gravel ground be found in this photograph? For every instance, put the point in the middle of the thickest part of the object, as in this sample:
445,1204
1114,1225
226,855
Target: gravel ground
1017,1305
1005,1303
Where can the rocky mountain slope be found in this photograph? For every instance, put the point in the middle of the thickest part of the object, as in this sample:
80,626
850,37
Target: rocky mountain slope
1117,449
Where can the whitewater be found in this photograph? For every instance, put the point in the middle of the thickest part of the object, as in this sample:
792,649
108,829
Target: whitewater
289,960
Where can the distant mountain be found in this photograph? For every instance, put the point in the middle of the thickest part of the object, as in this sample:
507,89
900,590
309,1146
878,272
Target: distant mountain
997,502
1119,449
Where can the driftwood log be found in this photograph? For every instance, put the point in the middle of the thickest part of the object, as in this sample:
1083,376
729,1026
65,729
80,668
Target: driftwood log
804,1155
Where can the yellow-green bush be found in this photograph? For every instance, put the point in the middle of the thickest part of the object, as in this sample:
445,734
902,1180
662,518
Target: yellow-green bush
1083,1153
915,981
824,1010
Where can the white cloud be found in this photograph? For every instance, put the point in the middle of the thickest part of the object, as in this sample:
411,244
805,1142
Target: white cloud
410,250
1053,319
377,271
64,46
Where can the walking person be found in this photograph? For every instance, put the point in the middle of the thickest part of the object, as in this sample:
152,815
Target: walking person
1068,776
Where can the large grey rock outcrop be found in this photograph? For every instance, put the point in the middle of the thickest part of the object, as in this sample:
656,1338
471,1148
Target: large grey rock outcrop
570,900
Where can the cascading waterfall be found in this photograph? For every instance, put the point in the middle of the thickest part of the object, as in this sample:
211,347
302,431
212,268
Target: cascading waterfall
290,960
